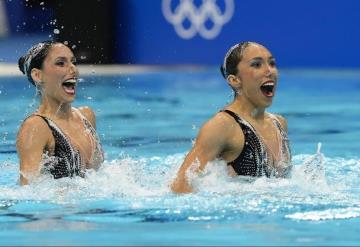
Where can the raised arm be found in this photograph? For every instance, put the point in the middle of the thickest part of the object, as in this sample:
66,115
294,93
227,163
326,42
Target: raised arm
211,142
31,142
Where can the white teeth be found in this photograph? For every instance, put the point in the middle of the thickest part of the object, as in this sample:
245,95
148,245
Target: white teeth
268,84
71,80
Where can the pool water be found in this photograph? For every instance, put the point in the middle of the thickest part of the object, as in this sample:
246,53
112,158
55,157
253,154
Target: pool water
147,122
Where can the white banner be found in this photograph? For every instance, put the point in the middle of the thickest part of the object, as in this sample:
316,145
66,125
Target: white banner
4,29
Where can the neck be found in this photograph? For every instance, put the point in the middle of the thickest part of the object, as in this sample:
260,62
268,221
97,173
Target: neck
245,108
54,109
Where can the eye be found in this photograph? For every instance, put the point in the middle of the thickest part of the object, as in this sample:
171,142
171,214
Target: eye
74,62
272,63
60,63
256,64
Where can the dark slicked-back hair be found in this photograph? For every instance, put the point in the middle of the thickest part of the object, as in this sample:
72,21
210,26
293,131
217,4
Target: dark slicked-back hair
233,58
34,58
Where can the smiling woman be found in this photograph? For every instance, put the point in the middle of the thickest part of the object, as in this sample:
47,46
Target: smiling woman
56,139
250,140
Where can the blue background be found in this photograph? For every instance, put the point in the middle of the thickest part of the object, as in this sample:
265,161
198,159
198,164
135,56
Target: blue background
321,33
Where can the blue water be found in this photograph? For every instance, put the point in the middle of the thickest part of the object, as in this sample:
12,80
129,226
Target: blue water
147,123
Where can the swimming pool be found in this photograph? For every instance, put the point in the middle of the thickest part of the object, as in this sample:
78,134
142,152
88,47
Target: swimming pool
147,122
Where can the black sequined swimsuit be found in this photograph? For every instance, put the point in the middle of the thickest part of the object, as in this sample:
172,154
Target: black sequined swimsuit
254,159
66,160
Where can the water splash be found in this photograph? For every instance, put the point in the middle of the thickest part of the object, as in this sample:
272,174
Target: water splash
80,80
311,173
328,214
142,184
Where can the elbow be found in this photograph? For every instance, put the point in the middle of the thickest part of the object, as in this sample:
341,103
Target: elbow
181,187
23,181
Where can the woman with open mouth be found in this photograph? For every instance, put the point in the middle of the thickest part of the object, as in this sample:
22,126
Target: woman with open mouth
250,140
57,138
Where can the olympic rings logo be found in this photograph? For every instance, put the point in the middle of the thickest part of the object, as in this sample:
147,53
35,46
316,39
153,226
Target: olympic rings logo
209,11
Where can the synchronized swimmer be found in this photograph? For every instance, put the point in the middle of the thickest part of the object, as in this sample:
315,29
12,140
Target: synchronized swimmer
252,141
57,138
61,140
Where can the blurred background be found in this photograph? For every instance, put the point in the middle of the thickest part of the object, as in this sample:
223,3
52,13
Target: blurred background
300,34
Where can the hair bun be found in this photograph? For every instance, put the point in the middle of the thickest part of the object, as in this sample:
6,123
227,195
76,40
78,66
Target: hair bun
222,70
21,62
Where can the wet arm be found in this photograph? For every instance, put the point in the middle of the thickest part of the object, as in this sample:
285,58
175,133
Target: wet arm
209,145
30,144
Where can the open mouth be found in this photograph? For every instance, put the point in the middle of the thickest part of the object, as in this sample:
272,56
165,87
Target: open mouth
268,89
69,86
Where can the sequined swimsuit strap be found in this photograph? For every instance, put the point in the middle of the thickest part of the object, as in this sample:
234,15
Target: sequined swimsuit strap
68,160
277,123
253,158
233,114
87,123
98,154
285,143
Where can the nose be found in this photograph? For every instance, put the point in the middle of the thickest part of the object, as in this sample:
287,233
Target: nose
270,70
73,69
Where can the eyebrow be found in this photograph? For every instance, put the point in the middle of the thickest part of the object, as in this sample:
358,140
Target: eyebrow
64,58
260,58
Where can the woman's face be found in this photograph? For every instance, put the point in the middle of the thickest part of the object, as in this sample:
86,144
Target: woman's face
258,75
59,74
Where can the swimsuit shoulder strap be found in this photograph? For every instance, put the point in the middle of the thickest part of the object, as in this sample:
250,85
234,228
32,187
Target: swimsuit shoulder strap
48,121
52,125
68,157
98,151
59,136
277,123
84,119
242,122
233,114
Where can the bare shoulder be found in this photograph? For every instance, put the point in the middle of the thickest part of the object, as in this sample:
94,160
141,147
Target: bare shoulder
220,121
282,121
33,124
88,114
33,130
220,127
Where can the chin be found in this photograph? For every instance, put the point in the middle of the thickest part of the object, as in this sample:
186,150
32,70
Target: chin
69,99
267,103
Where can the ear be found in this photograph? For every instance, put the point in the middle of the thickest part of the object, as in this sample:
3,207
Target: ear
234,81
36,75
